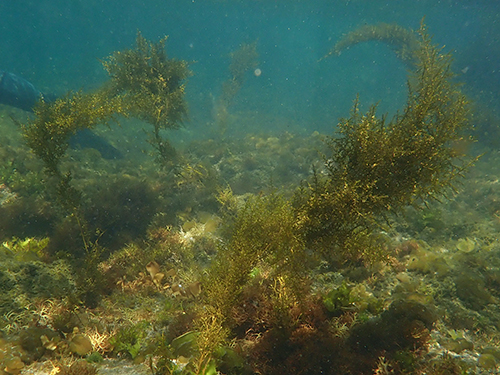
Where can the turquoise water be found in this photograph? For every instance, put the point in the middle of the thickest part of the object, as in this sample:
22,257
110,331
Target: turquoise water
57,45
152,241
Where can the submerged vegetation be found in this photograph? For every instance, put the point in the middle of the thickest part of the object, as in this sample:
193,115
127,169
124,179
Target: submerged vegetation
54,123
204,269
376,167
243,59
151,88
144,83
404,41
48,133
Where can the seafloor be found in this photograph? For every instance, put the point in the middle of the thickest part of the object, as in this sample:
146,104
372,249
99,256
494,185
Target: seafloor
148,221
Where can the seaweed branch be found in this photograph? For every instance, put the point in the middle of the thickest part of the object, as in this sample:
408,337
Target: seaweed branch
404,41
376,167
152,89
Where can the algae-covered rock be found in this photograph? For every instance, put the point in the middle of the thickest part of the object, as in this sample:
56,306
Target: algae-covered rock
22,281
487,361
429,261
32,340
405,325
80,367
471,289
120,209
458,345
13,365
80,344
466,245
493,351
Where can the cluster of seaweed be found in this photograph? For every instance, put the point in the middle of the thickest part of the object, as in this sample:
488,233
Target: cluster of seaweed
150,86
374,168
145,84
48,133
253,309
